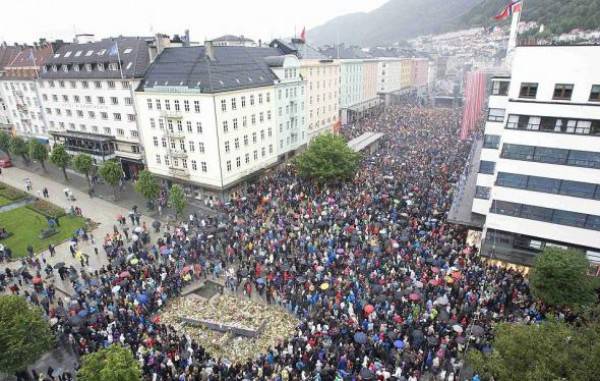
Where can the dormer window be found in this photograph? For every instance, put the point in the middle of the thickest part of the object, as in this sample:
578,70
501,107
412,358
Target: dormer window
129,65
54,68
127,51
89,53
88,67
76,67
56,55
67,54
113,66
78,53
101,52
45,69
100,67
65,68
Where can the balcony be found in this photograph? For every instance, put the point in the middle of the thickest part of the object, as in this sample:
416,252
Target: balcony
182,173
171,114
174,134
177,153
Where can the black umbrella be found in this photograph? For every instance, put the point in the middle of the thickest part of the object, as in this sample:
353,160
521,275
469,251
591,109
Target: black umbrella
58,265
366,374
432,340
477,330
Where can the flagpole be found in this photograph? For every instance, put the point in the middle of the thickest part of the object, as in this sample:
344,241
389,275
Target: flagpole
119,58
514,31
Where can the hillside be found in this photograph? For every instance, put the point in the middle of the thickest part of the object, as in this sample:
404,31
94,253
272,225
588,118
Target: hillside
398,20
395,20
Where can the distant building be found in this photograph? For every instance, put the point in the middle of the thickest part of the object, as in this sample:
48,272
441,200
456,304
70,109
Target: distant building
231,40
538,175
7,55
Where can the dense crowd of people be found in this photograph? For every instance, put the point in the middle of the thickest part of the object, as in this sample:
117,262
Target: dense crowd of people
385,288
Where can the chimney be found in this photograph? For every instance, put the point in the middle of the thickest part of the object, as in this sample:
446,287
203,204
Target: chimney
209,50
187,38
259,43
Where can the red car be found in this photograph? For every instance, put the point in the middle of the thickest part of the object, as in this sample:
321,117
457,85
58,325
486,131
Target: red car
5,163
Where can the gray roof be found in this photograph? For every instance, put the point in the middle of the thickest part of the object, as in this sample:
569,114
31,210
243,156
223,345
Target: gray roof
298,48
132,50
344,52
231,37
233,68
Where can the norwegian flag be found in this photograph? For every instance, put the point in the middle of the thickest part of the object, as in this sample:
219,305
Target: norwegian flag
474,102
513,6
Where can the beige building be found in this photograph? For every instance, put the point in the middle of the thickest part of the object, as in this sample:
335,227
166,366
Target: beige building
370,82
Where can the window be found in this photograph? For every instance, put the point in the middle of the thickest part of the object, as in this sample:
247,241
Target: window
563,91
268,96
131,117
517,152
228,165
157,102
128,101
244,121
223,105
528,90
91,114
482,192
578,189
247,158
117,116
189,126
111,84
233,104
595,93
243,101
203,166
543,184
584,159
194,166
107,131
199,127
491,141
155,141
167,105
149,103
103,115
487,167
236,143
225,126
176,103
261,117
496,115
114,100
161,123
200,147
255,155
253,119
120,132
157,159
192,146
260,98
251,100
88,99
227,148
550,155
245,140
98,84
163,142
238,162
562,217
197,106
101,100
186,105
512,180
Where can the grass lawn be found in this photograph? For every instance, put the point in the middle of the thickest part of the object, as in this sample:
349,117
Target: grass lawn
25,224
5,201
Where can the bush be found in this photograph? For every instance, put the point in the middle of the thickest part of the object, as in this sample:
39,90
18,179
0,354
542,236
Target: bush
46,209
11,193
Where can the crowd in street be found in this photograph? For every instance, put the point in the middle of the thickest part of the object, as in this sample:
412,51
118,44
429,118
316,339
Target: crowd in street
385,288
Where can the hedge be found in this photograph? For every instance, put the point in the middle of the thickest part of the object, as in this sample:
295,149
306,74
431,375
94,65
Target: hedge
11,193
46,209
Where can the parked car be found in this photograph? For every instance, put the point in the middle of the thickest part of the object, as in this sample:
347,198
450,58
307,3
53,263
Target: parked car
5,163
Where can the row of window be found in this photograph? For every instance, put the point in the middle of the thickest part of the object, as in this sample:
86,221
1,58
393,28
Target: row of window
538,213
85,84
88,67
178,123
235,123
246,140
558,156
88,99
562,91
233,101
93,129
238,160
184,163
182,146
117,116
552,124
549,185
176,105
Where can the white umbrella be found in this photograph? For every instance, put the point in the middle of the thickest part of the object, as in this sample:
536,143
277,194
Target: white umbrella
457,328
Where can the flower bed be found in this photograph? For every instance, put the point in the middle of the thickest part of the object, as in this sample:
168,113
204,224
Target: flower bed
11,193
46,209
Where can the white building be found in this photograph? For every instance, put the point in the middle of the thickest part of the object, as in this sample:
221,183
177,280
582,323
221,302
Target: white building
21,98
539,174
208,114
87,93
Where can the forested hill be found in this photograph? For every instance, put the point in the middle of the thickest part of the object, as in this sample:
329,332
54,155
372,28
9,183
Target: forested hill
398,20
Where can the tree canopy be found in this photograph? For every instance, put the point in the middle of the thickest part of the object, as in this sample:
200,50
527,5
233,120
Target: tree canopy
5,142
328,158
61,158
147,185
39,152
114,363
552,350
112,172
177,199
559,278
24,334
83,164
19,147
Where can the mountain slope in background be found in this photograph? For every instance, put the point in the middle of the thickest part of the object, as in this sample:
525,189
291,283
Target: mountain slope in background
393,21
397,20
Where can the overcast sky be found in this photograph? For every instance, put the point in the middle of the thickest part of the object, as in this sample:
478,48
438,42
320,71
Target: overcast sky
28,20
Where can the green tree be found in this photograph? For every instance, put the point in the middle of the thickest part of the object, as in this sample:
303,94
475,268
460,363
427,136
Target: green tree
5,142
177,199
328,158
552,350
19,147
559,278
39,152
147,186
61,158
114,363
24,334
112,172
84,164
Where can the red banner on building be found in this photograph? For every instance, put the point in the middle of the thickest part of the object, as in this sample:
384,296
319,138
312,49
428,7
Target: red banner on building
474,99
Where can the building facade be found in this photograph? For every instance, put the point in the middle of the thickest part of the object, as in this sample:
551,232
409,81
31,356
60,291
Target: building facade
87,92
210,115
352,93
21,93
538,180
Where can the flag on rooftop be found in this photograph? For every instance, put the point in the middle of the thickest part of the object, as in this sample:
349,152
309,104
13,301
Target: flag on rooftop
114,50
303,34
513,6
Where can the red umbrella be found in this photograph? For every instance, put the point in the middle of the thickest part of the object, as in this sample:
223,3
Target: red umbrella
369,308
414,296
435,270
124,274
37,280
435,282
456,275
186,269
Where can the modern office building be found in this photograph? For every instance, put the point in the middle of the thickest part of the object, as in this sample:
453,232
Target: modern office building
21,99
211,118
87,93
538,180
